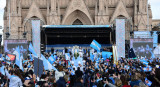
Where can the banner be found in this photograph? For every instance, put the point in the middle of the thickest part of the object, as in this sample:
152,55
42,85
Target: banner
155,39
142,34
38,67
143,47
11,45
36,36
120,37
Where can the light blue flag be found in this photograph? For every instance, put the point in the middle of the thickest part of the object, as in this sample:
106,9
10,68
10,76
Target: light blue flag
31,58
17,53
3,58
147,69
25,61
148,82
126,67
19,58
2,70
47,65
91,56
99,80
51,59
106,54
31,49
55,57
144,62
7,57
8,62
95,45
69,64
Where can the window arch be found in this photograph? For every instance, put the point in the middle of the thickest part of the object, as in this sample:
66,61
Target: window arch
77,22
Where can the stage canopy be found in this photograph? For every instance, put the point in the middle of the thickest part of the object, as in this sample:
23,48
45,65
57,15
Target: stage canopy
67,35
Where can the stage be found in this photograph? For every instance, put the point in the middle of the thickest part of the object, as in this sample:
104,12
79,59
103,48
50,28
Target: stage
60,36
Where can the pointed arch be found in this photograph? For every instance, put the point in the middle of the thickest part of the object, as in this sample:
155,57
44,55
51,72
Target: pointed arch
77,5
34,11
77,22
120,10
77,15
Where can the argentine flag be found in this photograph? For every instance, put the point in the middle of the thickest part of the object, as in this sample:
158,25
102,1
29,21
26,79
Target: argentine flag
17,53
2,70
144,62
18,58
31,58
106,54
147,69
51,59
7,57
47,65
31,49
95,45
148,82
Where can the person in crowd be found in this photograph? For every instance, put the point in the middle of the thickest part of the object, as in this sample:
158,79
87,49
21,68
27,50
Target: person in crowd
14,77
78,72
99,72
59,73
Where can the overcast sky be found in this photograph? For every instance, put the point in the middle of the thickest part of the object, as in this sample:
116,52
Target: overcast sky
155,6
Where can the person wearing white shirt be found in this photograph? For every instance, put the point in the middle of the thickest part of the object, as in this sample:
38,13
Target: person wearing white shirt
15,81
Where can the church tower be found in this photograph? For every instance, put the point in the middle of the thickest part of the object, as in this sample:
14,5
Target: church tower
53,13
101,12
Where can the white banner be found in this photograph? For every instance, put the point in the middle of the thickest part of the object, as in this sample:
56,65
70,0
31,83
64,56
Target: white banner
36,36
120,37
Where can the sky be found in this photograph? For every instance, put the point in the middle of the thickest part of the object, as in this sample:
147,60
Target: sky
155,6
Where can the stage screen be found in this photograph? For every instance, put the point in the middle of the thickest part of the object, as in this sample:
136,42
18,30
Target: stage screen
10,46
142,47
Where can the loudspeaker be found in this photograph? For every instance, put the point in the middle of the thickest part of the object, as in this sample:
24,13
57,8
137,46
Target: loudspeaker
158,38
66,50
52,50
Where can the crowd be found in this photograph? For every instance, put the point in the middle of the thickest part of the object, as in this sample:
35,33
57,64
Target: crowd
91,73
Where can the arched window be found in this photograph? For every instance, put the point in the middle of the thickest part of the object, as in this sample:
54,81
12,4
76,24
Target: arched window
77,22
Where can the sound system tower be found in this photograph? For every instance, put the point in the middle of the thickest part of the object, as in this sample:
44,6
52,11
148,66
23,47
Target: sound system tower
52,50
158,33
66,50
158,38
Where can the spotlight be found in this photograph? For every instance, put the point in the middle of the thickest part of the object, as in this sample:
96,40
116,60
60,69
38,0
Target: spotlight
24,35
7,35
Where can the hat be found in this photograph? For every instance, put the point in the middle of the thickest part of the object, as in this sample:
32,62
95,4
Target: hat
157,66
27,78
79,62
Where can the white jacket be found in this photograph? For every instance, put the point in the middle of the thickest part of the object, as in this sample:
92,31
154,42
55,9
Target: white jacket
59,74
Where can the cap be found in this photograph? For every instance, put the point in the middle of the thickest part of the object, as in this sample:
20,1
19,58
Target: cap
27,78
157,66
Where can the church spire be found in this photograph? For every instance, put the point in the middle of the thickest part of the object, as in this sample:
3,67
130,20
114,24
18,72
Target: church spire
59,13
13,4
19,8
96,9
106,5
101,7
53,5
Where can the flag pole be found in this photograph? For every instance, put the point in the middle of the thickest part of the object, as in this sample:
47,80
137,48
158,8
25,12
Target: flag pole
38,67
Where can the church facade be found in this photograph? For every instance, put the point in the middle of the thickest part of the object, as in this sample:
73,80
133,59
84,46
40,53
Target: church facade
75,12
